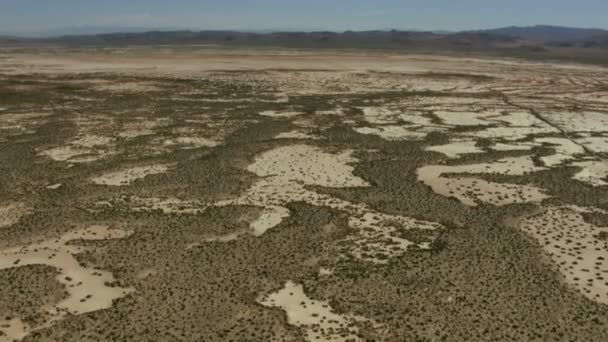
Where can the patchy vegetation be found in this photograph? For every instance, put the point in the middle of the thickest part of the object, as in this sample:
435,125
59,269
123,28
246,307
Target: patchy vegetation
280,200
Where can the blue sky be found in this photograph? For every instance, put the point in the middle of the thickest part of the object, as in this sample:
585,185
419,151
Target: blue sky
40,15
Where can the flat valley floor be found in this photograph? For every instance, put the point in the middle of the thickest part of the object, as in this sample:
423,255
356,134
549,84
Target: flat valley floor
206,194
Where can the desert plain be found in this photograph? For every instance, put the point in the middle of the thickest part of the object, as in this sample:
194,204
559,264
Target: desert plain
200,193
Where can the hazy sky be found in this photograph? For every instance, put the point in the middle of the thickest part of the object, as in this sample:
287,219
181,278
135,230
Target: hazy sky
35,15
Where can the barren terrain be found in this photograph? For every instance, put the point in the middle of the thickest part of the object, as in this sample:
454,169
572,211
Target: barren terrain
206,194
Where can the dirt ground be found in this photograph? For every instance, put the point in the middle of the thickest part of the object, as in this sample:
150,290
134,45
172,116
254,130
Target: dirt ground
207,194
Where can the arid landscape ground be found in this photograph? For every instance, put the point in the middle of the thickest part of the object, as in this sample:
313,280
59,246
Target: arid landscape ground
211,194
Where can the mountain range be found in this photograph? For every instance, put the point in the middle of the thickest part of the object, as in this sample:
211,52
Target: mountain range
546,33
533,42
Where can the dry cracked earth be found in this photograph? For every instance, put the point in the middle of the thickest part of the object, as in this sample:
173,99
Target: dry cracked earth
223,195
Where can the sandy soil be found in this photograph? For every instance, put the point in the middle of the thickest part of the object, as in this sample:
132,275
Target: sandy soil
316,317
469,190
88,288
284,195
575,246
128,176
11,213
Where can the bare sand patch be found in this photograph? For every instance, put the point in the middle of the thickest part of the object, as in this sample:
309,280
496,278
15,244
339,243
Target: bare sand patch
21,123
594,144
395,124
512,147
469,190
489,117
280,114
579,249
88,288
565,149
580,121
317,318
127,87
514,118
190,142
309,165
128,176
392,132
462,118
270,217
13,329
510,133
83,149
456,148
380,115
137,129
287,170
592,172
11,213
497,123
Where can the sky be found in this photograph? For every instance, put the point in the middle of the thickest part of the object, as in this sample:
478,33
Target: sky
40,16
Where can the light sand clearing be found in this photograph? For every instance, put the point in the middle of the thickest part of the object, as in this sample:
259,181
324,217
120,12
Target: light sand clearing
141,126
316,318
512,147
506,124
394,124
190,142
22,121
469,190
580,121
271,217
456,148
83,149
511,125
309,165
518,119
87,287
565,149
337,111
579,249
277,114
511,133
323,271
595,144
14,329
128,176
462,118
392,132
11,213
286,172
593,172
380,115
489,117
127,87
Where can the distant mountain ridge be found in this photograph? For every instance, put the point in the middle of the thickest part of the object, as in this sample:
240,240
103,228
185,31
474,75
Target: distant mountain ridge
536,42
537,33
548,33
